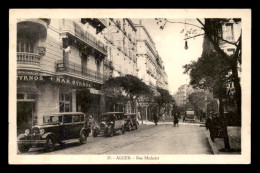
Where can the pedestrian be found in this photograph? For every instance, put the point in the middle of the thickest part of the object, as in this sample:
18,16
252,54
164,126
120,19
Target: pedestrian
212,126
155,119
176,119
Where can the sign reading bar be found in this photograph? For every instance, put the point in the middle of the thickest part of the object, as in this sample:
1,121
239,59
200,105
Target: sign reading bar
58,79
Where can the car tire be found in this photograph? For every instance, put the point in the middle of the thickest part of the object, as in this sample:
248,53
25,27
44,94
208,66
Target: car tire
49,144
94,134
83,137
23,148
129,127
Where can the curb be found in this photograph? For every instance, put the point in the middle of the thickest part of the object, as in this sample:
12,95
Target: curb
211,144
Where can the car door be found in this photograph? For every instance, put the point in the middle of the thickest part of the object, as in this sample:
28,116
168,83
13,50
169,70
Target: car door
76,126
68,133
61,130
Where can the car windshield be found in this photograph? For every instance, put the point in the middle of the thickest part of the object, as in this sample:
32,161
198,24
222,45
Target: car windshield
52,119
107,117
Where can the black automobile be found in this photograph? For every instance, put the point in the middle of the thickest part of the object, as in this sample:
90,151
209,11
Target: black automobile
131,121
110,123
55,128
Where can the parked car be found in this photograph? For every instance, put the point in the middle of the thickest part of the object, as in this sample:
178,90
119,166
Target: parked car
55,128
110,123
189,116
131,121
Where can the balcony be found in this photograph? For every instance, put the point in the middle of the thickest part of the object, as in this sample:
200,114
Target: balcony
41,23
70,68
98,23
73,29
109,64
28,61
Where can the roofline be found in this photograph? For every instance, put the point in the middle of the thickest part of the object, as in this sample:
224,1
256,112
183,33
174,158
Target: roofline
138,25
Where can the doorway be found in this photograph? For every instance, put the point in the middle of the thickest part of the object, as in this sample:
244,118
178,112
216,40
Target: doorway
25,118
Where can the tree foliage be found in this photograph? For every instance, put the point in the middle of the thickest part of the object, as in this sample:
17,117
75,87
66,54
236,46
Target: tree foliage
213,33
125,88
164,99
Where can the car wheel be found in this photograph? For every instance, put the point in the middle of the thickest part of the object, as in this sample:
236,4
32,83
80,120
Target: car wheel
110,132
23,148
49,144
129,127
83,137
94,133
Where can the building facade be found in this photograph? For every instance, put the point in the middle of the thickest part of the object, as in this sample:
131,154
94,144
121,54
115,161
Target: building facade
57,59
62,64
182,95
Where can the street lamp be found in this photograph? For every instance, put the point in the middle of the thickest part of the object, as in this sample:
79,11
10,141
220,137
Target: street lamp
186,45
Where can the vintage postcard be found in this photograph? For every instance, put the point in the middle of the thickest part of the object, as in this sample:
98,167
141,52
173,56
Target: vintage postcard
129,86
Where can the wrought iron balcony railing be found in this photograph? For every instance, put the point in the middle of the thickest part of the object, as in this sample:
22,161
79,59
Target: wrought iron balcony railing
75,29
28,58
77,69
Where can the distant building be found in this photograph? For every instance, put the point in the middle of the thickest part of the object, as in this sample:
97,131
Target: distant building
182,95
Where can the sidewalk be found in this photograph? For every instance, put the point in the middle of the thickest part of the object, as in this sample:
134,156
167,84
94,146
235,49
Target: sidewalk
234,140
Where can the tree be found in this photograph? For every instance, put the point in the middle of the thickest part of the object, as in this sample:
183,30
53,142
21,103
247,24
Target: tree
213,33
211,73
164,100
113,89
125,88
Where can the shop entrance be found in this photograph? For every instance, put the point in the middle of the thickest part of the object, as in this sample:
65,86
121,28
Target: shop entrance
25,119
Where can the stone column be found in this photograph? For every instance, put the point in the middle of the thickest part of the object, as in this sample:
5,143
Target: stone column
102,103
73,102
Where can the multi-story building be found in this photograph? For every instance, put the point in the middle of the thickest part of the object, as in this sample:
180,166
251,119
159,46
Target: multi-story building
229,31
62,64
150,66
121,60
181,96
56,60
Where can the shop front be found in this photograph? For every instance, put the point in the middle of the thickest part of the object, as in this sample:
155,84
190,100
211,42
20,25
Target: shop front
39,94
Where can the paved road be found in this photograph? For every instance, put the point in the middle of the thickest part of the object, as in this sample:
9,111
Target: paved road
188,138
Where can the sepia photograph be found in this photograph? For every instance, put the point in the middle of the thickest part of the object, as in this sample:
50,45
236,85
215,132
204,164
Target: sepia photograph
120,86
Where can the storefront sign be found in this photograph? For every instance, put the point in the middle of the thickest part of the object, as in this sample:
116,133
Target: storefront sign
58,79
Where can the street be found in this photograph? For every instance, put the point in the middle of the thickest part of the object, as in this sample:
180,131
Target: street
188,138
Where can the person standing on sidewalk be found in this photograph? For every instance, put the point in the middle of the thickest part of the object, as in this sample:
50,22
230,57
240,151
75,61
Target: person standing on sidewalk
155,119
210,125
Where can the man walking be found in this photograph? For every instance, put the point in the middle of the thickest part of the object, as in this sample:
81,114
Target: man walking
155,119
176,119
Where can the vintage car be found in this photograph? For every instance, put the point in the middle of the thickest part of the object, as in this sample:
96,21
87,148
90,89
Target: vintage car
131,121
110,123
189,116
55,128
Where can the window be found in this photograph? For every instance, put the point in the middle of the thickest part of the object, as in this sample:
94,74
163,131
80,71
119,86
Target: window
65,102
229,30
20,96
76,118
52,119
67,118
25,46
